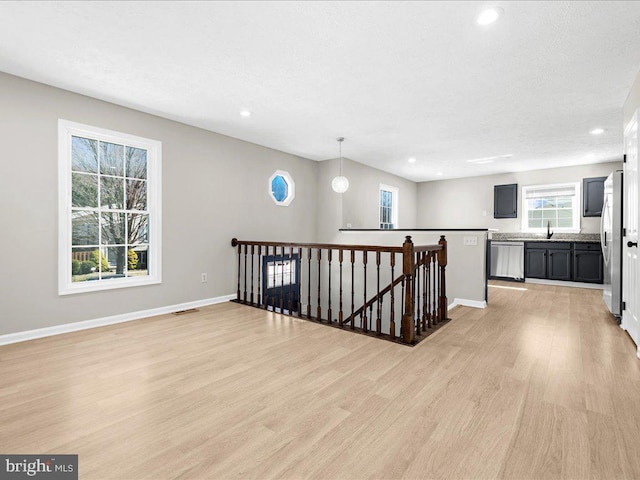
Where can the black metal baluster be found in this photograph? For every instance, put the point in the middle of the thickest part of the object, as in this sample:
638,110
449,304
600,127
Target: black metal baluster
290,280
364,310
298,280
353,259
309,285
259,276
424,291
392,322
239,257
434,299
429,286
378,319
340,314
417,297
282,279
274,298
319,308
252,253
329,317
246,248
402,309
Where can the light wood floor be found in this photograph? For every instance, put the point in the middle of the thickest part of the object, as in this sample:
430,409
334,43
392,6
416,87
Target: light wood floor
542,384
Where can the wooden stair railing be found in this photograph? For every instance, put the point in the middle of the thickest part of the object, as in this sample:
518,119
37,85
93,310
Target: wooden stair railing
289,272
381,293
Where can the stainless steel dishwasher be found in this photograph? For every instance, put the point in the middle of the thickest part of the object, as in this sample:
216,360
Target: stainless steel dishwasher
507,260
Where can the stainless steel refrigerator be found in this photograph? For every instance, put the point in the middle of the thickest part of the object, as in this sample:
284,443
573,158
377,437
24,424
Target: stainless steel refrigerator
611,240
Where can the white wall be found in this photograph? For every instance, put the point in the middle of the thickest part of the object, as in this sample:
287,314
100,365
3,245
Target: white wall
468,202
214,188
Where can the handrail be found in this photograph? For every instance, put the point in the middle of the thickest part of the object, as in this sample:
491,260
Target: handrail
285,284
324,246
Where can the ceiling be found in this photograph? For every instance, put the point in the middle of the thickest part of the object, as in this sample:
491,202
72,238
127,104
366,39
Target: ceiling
397,79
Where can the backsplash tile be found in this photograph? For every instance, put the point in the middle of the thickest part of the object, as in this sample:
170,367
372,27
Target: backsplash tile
557,237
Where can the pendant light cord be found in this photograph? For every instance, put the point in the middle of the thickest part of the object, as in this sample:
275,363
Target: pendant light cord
340,158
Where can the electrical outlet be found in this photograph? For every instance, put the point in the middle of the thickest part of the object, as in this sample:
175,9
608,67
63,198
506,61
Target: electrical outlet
203,278
471,241
348,225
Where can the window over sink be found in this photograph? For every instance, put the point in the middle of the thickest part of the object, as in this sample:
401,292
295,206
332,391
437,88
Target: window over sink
556,206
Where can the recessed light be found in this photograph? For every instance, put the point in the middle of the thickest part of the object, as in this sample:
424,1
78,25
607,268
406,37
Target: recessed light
412,160
439,174
489,16
245,113
597,131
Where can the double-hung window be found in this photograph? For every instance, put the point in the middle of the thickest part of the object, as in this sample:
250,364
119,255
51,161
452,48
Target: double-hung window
388,207
554,206
109,209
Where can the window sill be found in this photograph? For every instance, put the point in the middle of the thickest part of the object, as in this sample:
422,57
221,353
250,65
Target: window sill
100,285
553,230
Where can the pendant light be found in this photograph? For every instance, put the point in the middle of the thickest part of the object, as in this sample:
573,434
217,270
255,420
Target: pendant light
340,184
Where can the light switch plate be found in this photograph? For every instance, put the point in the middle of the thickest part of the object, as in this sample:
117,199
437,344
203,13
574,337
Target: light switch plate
470,240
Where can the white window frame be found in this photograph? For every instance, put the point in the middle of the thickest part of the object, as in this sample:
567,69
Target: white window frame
291,188
67,129
576,203
395,194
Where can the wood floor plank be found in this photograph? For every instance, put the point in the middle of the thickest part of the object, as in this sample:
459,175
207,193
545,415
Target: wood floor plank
542,384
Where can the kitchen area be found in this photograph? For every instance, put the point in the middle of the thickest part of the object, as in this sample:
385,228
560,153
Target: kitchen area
551,248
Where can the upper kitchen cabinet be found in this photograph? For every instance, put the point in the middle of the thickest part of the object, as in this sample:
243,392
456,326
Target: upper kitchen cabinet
505,201
592,196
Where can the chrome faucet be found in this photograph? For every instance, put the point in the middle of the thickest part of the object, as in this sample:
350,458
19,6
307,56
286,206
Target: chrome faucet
549,232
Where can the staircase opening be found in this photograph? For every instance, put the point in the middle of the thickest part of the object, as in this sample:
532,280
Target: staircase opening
396,293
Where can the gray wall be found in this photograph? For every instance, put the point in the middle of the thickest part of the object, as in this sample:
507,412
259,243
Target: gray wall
633,101
466,263
214,188
468,202
360,203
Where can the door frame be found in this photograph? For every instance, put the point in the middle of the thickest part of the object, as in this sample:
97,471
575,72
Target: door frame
631,207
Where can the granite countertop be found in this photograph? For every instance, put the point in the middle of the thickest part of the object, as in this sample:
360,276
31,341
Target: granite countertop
557,237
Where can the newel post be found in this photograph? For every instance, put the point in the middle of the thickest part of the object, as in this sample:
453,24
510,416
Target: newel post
443,306
408,259
234,244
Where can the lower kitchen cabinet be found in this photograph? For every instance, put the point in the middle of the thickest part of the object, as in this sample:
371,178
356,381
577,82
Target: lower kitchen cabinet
578,262
535,263
587,263
559,264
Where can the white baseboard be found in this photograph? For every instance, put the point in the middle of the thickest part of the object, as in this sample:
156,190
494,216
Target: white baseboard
563,283
463,302
103,321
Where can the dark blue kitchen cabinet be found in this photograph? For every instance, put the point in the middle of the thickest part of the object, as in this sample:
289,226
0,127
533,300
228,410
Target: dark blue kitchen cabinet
587,263
559,262
592,196
505,201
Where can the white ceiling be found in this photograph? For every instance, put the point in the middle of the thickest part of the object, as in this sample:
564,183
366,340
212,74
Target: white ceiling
397,79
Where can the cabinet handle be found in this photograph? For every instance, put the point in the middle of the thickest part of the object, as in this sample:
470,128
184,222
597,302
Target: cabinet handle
632,244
